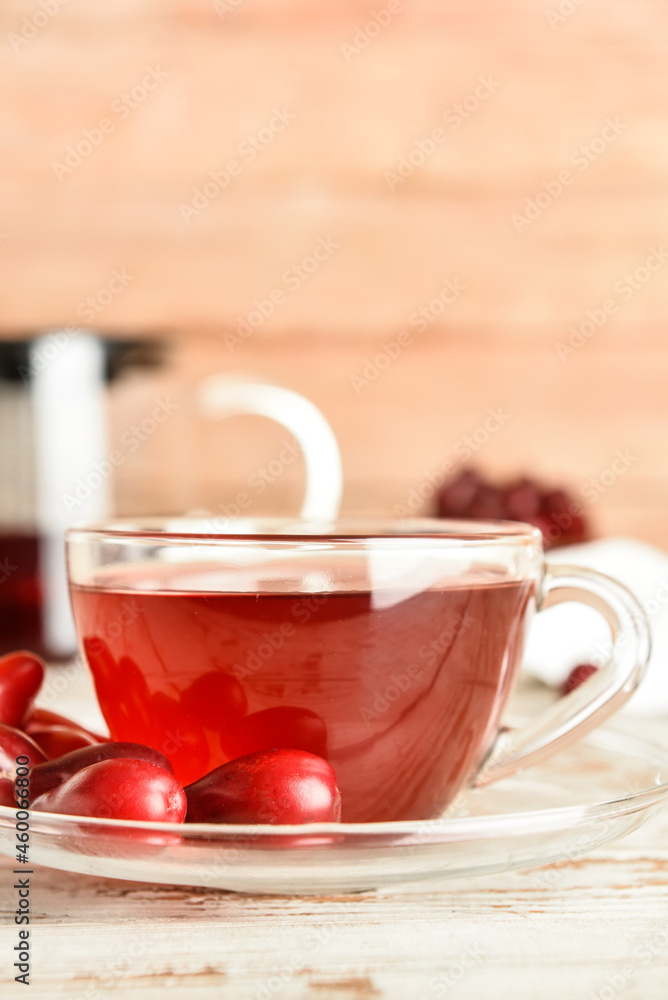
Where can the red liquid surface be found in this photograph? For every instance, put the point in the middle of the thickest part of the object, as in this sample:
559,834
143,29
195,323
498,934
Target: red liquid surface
403,699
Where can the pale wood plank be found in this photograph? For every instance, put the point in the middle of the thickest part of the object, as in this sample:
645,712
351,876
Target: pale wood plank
391,259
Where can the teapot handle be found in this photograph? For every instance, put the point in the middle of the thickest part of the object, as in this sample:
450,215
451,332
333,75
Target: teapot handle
221,396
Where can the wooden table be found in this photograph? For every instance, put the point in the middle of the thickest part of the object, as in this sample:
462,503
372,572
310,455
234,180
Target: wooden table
593,928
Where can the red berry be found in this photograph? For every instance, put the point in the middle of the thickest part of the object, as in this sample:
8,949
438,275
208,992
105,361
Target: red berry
178,735
522,500
52,773
118,789
272,786
552,533
7,793
58,740
557,502
13,744
468,495
131,712
578,531
41,718
284,726
457,495
578,676
488,504
21,676
215,699
567,528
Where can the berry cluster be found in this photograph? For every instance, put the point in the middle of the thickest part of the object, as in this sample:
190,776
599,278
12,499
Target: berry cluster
73,771
560,518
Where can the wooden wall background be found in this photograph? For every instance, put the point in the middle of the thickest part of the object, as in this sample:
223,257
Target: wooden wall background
559,72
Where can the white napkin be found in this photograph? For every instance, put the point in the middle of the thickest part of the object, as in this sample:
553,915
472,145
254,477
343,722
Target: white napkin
564,636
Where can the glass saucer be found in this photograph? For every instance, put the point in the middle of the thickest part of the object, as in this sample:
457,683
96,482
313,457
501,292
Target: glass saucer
597,791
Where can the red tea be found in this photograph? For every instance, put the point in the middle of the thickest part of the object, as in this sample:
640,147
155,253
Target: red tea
403,695
28,582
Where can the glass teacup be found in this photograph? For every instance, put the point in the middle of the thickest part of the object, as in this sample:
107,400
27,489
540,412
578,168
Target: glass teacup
389,648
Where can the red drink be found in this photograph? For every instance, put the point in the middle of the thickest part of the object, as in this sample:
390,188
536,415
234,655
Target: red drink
21,594
26,591
402,693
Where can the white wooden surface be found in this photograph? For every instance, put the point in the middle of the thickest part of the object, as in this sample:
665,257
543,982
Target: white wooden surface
597,928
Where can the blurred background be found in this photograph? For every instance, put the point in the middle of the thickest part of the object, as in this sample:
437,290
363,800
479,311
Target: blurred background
445,223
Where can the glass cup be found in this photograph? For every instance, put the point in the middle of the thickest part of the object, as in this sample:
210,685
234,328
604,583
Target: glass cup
389,648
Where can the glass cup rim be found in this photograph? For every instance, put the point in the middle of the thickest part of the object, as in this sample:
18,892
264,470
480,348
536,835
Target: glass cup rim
290,530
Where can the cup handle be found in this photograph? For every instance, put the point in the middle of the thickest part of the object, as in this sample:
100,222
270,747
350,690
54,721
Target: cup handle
600,695
221,396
